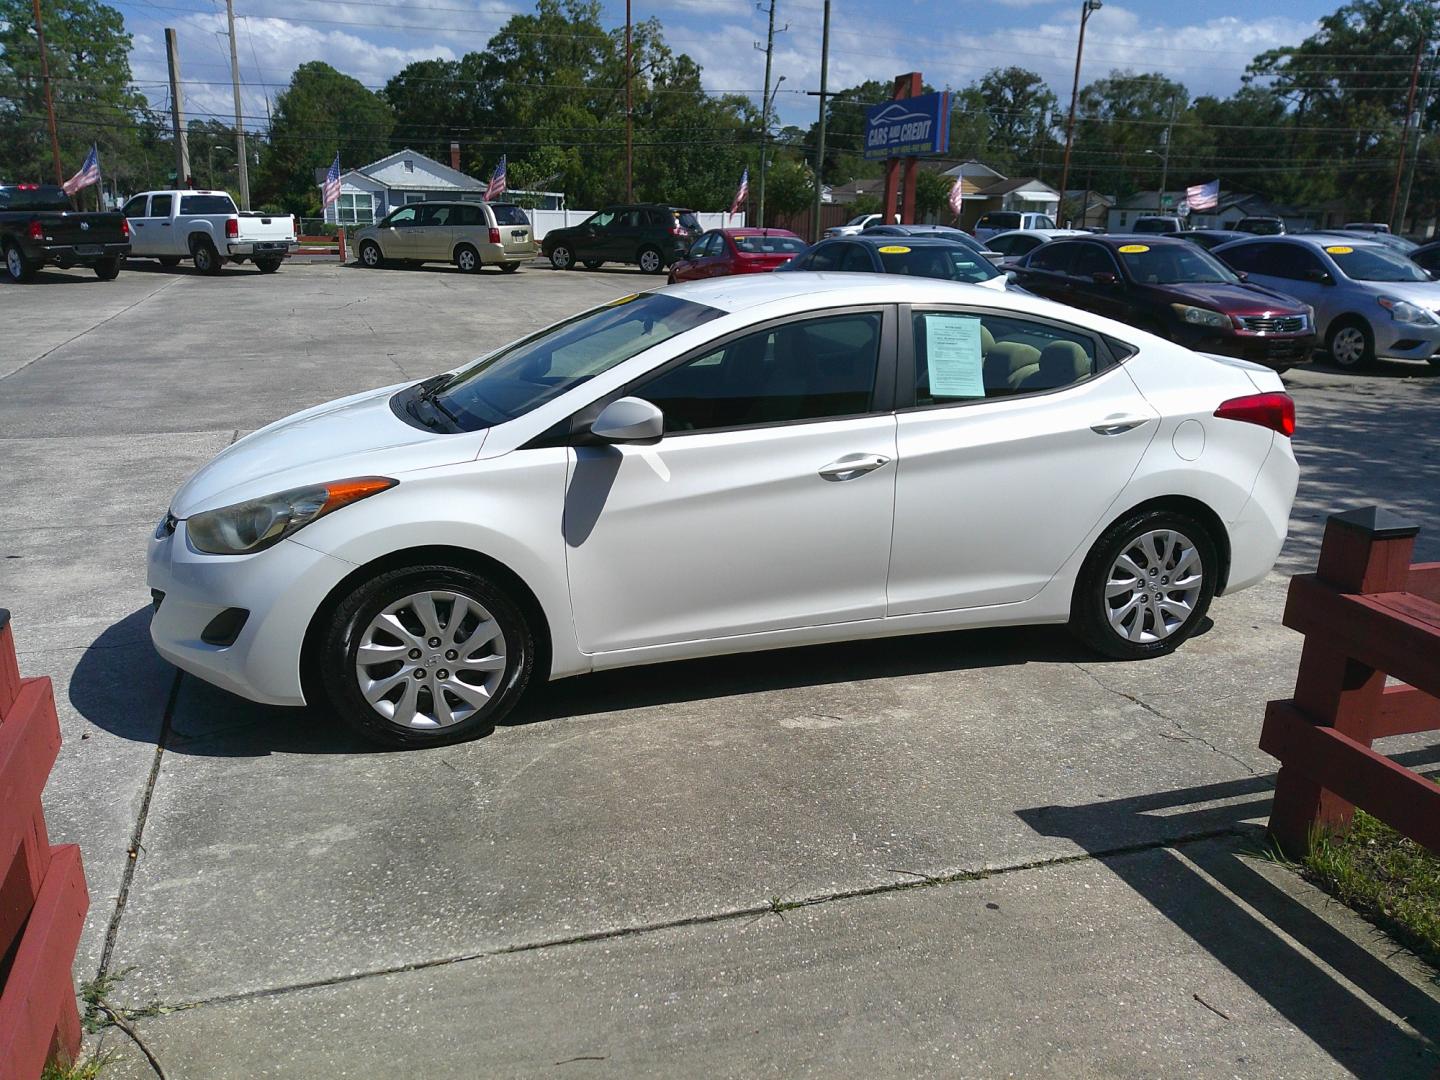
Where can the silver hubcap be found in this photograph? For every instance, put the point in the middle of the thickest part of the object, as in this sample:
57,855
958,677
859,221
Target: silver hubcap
370,255
1153,586
431,660
1348,346
561,257
466,260
649,261
13,264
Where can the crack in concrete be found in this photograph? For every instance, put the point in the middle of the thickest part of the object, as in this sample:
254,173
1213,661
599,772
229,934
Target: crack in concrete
89,329
714,918
1183,735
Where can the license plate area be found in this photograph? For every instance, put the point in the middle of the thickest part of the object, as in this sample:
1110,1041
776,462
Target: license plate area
88,249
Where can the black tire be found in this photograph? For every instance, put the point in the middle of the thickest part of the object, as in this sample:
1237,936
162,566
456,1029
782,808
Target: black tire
268,266
371,255
1090,608
169,260
510,267
17,266
467,259
108,269
650,260
1350,343
207,259
562,258
340,637
594,264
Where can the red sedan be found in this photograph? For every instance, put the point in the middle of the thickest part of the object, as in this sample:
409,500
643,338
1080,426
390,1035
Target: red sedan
722,252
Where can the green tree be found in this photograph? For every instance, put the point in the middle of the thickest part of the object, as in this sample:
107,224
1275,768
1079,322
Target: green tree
932,193
789,188
1125,118
319,113
1019,105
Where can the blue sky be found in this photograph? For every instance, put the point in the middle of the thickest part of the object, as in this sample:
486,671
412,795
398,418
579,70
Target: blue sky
950,43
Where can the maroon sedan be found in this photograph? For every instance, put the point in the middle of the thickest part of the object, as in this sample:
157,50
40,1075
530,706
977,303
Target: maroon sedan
722,252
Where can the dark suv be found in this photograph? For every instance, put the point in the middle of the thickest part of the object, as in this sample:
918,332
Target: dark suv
650,235
1176,290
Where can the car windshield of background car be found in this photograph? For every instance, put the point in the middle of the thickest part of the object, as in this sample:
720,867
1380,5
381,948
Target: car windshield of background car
532,371
769,245
1175,266
1374,264
947,263
859,219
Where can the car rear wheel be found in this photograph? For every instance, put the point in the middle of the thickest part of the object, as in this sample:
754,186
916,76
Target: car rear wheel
17,265
108,269
650,260
169,260
425,656
1145,586
594,264
561,257
207,259
467,259
370,255
510,267
1351,344
268,266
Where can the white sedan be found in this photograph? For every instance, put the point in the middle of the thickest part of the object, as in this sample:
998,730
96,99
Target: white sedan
729,465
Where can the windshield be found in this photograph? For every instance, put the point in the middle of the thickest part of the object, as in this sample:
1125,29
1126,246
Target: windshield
1174,265
532,371
1374,264
934,261
769,245
859,219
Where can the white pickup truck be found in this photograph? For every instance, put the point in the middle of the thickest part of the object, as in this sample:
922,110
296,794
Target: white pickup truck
207,227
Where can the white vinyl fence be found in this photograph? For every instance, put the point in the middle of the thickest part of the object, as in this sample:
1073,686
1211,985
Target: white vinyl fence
545,220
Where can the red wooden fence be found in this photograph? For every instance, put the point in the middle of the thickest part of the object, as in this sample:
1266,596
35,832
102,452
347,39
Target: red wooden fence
42,888
1365,613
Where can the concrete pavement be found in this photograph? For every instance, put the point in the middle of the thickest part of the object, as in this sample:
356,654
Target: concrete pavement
289,882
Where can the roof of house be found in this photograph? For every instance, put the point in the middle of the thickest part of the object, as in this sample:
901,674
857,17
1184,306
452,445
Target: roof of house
455,179
1004,187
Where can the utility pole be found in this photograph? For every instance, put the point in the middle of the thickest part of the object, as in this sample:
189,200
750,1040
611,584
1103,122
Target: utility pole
824,101
49,100
177,111
1086,8
629,132
1419,134
765,107
1165,160
239,123
1405,135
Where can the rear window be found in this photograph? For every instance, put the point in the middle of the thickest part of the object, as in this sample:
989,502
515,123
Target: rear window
934,261
34,197
1001,220
508,214
688,220
769,245
206,204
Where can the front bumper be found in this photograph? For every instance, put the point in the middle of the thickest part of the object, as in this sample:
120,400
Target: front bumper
263,248
1272,350
281,587
1402,341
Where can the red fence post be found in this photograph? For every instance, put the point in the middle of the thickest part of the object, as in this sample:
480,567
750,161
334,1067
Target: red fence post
1363,551
341,236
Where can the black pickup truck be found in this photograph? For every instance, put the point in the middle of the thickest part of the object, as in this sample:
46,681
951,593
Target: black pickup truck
39,227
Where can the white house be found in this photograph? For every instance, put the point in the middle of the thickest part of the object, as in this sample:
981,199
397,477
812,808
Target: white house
372,191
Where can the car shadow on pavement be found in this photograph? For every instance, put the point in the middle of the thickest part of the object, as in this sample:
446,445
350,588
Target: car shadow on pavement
1319,979
204,720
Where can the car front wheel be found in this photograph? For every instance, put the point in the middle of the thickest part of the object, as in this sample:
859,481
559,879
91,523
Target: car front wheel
1145,586
424,656
1351,344
370,255
561,257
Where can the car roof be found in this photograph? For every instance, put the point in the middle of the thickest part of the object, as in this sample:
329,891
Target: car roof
1048,234
918,241
741,291
1319,240
752,231
1113,240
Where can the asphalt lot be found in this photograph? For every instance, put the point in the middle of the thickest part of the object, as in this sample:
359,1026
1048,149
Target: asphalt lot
604,886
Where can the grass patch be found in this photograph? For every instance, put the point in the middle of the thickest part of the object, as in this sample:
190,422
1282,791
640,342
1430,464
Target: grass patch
1392,881
89,1069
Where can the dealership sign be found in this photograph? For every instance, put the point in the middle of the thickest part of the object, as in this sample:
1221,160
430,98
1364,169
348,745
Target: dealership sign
908,127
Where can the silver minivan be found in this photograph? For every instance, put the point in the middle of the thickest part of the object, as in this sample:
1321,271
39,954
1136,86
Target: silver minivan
468,234
1369,300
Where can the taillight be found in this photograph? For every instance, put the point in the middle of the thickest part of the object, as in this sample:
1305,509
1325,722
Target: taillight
124,228
495,236
232,228
678,230
1275,411
37,231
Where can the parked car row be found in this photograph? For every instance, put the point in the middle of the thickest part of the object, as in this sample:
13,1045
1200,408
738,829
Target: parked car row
207,228
471,235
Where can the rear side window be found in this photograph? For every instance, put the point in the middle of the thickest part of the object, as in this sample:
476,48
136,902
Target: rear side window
961,357
813,369
206,204
1093,259
508,214
1042,222
855,260
469,215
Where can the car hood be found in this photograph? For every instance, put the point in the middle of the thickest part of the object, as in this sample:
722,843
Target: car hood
354,436
1244,299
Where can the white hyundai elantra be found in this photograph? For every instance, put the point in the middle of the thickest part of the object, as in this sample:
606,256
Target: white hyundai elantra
744,463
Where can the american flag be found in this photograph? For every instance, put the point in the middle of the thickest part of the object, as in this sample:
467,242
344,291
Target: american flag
957,196
89,173
496,187
741,193
1203,196
330,190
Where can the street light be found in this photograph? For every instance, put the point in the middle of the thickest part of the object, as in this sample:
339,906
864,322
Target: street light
1087,8
210,158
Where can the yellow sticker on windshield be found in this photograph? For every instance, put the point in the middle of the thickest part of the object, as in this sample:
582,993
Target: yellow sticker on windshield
622,300
894,249
1339,249
1134,249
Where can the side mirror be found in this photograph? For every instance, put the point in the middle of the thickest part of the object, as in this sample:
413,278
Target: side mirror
1105,278
1320,277
629,420
1241,274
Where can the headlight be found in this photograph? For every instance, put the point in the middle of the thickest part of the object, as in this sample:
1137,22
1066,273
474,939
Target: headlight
257,524
1402,311
1199,316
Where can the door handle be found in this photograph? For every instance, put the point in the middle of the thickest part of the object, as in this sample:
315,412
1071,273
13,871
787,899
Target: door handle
1118,423
852,465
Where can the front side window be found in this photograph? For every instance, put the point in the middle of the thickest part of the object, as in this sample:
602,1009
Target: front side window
135,207
403,218
1056,258
160,205
813,369
855,260
1042,222
948,262
1093,259
601,220
532,371
824,257
965,357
